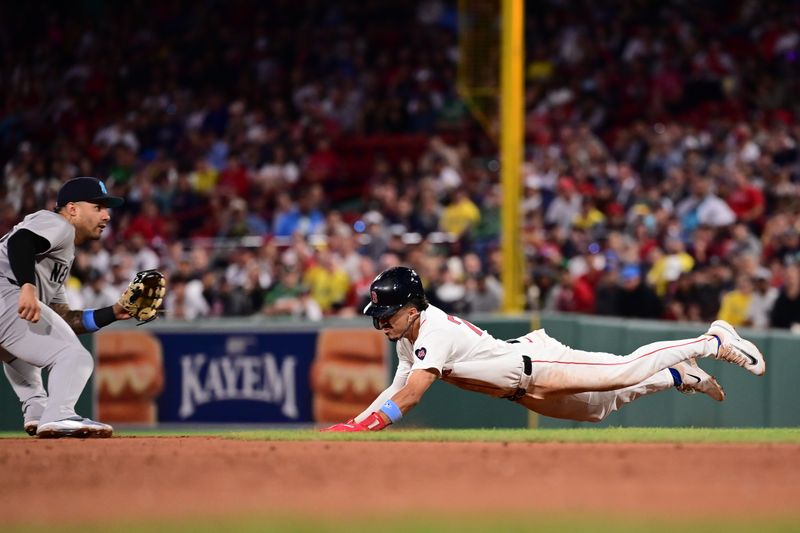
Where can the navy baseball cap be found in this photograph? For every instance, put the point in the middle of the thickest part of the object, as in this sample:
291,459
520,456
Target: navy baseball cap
87,190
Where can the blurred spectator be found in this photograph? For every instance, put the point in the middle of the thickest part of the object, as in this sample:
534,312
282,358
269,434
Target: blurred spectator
636,299
144,257
669,266
629,142
427,214
204,178
735,307
96,293
704,207
589,216
460,215
566,206
375,241
279,173
184,301
327,281
745,199
763,299
148,223
306,218
571,294
481,296
786,311
288,297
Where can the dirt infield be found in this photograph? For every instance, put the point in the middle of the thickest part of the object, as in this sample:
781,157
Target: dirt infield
133,478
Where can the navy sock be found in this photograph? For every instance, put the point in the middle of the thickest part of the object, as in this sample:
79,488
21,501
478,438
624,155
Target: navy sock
676,377
719,341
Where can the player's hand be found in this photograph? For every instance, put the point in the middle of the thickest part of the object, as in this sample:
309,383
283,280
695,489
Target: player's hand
345,427
376,421
28,307
120,313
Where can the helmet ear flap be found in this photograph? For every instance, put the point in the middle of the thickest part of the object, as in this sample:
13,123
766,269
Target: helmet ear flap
376,323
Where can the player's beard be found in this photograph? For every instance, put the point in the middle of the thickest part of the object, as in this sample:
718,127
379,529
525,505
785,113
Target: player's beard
403,334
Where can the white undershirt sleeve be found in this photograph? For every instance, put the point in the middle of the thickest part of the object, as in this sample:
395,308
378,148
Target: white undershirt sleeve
399,381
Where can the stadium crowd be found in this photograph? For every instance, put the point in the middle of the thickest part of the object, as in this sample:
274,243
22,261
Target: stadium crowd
661,175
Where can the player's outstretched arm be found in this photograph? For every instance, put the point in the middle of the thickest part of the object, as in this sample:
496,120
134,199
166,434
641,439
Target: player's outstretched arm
418,383
393,409
89,320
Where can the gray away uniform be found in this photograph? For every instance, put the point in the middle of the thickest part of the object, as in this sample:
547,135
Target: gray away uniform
50,343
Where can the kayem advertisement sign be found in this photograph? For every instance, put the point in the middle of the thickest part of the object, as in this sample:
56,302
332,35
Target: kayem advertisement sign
146,377
236,377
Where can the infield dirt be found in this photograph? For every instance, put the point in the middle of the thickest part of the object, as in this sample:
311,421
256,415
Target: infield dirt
70,481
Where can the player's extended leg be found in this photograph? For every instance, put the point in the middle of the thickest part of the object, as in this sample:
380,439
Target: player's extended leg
51,343
596,406
559,369
26,380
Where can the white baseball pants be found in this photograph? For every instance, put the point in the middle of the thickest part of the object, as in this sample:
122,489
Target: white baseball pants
559,369
562,382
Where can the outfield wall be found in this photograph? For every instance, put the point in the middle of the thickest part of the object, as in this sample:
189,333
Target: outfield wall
268,372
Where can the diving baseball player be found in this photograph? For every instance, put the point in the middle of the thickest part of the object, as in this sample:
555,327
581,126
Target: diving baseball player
35,260
535,370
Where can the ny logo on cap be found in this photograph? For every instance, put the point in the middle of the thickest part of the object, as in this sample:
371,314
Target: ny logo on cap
373,296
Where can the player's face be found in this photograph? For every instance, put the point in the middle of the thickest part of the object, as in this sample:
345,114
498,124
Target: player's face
397,325
90,220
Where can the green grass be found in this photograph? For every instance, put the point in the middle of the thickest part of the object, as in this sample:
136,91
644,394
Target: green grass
581,435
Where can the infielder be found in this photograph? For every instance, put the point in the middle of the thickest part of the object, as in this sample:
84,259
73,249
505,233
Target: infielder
536,370
35,260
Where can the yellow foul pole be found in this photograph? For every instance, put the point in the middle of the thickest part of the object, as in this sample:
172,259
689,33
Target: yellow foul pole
511,140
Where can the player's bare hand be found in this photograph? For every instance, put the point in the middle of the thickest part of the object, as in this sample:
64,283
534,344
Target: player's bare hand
28,308
120,313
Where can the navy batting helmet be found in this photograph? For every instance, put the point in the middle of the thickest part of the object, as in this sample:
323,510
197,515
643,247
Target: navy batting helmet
391,290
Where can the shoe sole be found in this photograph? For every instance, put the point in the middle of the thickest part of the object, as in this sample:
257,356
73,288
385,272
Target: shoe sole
62,433
31,430
81,433
711,388
714,390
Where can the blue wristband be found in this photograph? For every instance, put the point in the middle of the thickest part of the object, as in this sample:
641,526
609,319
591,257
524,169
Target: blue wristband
88,320
391,410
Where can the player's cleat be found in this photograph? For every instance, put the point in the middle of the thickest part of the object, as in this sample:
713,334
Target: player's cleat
695,379
31,427
84,428
737,350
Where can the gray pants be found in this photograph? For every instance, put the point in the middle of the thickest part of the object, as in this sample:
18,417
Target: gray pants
50,343
26,380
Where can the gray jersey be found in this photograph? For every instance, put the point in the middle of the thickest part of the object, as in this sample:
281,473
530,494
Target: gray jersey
52,266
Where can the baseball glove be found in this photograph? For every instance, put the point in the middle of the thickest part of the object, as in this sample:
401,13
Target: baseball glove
144,295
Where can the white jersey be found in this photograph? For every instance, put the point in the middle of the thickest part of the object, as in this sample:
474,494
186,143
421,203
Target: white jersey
52,266
459,352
